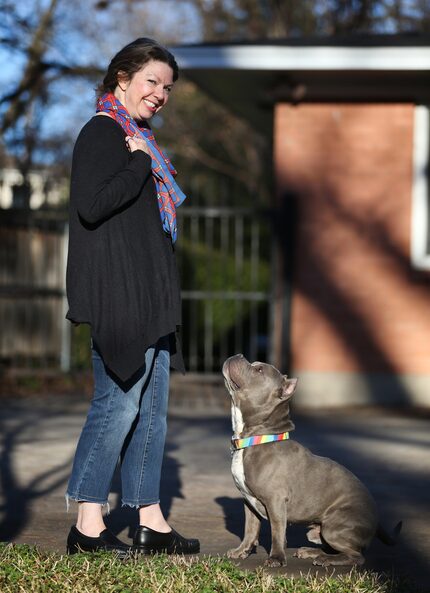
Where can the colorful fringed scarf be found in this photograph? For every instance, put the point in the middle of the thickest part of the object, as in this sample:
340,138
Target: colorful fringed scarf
258,440
169,194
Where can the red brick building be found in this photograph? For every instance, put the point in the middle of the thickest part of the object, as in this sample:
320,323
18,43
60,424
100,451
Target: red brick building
350,125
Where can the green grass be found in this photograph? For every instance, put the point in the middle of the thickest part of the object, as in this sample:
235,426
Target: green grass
26,569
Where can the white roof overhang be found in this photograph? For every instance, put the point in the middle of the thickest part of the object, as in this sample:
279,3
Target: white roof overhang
250,78
281,58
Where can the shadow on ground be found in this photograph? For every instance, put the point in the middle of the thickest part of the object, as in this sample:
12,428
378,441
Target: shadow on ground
389,453
18,495
367,446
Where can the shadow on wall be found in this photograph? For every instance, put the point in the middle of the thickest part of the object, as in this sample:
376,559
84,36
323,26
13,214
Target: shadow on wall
317,232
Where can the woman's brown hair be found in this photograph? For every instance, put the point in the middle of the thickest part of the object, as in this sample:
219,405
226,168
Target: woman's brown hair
131,58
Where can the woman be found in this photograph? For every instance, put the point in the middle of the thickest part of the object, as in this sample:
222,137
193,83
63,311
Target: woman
122,281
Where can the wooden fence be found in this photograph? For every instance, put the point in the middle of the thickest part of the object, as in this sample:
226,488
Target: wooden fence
33,332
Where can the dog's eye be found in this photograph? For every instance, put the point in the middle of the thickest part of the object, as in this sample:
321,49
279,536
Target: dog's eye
259,369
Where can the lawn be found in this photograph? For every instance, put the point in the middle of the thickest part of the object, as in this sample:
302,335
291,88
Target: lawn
26,569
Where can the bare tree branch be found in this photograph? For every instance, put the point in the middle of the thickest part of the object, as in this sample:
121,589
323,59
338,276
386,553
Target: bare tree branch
34,70
192,151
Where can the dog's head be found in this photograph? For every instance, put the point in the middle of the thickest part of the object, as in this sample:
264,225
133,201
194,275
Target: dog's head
260,395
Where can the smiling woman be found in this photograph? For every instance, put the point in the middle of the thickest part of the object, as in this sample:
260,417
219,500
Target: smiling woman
147,92
122,280
137,84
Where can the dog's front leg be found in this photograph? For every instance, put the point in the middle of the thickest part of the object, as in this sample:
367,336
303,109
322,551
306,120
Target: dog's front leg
250,537
277,513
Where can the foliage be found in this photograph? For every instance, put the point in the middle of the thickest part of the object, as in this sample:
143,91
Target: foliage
211,268
270,19
81,347
209,145
26,569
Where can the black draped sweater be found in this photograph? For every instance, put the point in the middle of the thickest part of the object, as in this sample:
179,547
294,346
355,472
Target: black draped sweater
121,271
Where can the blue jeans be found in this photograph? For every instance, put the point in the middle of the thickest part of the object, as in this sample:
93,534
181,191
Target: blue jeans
126,423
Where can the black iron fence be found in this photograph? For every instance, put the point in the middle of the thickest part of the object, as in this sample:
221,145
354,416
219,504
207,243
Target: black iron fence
225,263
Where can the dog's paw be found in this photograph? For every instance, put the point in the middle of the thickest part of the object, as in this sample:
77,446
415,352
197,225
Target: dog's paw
321,561
305,553
326,560
238,553
273,561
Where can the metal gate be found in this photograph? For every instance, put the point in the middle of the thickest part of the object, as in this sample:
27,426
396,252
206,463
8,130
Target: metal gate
224,258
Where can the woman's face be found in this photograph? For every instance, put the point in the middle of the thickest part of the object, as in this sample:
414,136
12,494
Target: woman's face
147,91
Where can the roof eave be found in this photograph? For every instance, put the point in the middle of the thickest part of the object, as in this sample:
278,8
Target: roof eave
316,58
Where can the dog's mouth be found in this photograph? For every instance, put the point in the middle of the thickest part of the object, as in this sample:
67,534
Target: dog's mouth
232,384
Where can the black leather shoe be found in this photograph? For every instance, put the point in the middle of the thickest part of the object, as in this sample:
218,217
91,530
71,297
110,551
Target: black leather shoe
148,541
106,541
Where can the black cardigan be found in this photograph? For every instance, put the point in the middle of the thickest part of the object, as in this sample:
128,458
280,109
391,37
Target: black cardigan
121,270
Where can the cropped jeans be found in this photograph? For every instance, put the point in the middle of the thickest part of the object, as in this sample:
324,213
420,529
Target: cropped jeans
128,426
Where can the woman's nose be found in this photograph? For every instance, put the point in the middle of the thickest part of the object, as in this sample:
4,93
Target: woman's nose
159,93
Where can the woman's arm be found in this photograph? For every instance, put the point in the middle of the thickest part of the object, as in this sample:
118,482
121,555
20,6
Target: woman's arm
104,177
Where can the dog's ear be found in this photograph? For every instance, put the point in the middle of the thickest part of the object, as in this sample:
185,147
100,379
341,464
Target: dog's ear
288,387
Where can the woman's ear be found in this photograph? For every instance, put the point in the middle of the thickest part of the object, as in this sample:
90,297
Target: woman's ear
123,80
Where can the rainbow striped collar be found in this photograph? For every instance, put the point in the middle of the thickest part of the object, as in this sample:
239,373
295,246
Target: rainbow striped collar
258,440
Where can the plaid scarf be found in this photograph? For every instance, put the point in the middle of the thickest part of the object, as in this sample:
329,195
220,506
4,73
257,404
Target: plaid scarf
169,193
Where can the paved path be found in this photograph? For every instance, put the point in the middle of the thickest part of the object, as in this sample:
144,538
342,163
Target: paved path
388,451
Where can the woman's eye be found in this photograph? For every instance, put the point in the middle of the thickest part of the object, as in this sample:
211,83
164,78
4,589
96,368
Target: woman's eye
152,81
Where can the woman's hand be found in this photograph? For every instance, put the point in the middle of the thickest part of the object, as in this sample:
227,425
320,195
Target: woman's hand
136,143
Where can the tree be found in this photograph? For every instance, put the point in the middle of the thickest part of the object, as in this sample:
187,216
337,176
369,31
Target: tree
28,38
270,19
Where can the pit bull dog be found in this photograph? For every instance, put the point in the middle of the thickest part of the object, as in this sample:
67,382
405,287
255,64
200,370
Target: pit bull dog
283,481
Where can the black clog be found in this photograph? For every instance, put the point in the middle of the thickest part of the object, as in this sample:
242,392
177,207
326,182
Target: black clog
105,542
148,541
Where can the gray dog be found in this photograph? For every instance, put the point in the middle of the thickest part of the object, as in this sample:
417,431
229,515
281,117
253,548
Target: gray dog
283,481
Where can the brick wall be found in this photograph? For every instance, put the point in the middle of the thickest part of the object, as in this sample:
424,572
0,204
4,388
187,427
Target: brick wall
357,305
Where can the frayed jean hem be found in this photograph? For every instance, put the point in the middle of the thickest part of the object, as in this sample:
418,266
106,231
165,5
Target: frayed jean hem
68,497
137,505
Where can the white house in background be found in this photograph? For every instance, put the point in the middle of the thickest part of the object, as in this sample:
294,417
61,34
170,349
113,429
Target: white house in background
44,190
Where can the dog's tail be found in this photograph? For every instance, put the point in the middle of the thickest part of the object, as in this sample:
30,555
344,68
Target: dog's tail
386,538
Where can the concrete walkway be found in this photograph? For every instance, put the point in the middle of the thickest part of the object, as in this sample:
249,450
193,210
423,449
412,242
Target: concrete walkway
389,451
